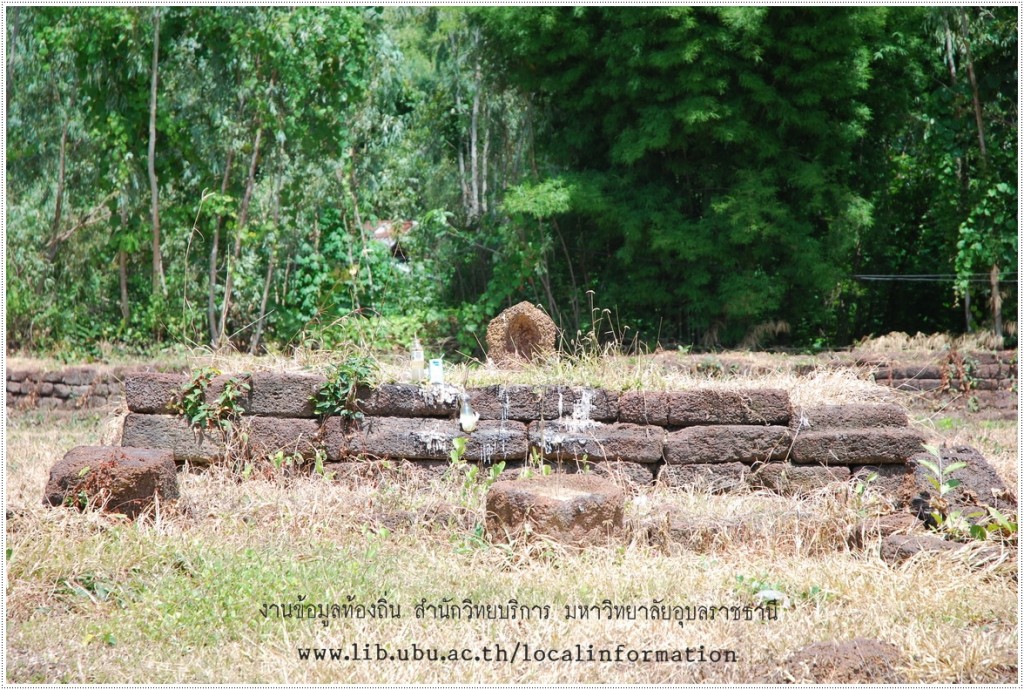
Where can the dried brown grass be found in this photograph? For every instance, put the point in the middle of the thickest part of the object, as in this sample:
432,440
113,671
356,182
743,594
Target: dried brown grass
185,585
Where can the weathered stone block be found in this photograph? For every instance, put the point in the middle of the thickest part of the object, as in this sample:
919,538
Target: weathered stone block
151,393
892,481
792,480
561,440
122,480
61,390
856,446
917,372
175,434
727,443
79,376
243,386
268,435
52,376
424,439
640,407
707,406
528,403
18,375
980,484
49,403
625,473
45,388
408,400
284,395
13,387
575,509
916,384
897,548
851,416
714,477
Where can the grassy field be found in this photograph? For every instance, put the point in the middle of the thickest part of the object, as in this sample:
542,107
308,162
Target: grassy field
176,597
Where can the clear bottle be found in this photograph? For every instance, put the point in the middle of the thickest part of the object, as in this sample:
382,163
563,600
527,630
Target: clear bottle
467,416
416,361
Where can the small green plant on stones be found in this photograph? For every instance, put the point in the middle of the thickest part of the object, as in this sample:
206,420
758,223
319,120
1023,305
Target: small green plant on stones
995,526
941,480
338,395
222,411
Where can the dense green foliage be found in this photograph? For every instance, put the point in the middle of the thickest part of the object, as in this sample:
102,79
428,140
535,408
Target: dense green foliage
714,175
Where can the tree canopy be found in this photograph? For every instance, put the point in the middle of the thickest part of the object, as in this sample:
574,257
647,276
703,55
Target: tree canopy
715,175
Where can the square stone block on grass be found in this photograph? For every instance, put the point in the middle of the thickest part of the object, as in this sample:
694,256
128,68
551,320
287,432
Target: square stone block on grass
578,510
119,480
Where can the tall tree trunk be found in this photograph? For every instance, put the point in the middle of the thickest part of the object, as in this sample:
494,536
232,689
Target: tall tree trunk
483,166
58,211
122,274
474,168
255,344
211,301
243,217
974,88
158,264
12,47
997,301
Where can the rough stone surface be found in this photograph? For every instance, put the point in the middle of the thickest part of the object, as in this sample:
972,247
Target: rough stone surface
628,474
268,435
897,548
707,406
424,439
243,402
875,528
151,393
793,480
520,334
574,509
79,376
843,662
855,416
716,477
284,395
122,480
559,440
892,481
856,446
980,483
408,400
175,434
640,407
919,385
528,403
727,443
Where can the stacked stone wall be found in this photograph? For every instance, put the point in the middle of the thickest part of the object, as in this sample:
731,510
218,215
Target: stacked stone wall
74,388
680,438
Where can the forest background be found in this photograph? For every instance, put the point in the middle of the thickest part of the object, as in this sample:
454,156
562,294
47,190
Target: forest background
714,176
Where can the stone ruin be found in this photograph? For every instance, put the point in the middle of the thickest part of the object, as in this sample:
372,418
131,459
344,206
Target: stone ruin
519,335
710,439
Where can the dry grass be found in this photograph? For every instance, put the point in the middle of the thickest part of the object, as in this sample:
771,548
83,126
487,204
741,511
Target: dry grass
922,343
175,598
